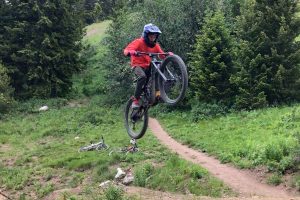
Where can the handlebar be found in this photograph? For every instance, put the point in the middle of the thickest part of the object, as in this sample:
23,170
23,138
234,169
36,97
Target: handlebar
138,53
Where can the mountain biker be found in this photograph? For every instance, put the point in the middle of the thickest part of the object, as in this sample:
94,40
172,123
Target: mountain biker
141,63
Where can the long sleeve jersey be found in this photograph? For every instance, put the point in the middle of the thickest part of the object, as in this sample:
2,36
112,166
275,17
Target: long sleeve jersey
140,45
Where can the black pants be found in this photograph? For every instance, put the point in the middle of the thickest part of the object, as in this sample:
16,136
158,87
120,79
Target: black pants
143,76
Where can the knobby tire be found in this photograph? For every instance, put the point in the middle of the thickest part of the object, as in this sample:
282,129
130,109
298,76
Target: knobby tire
132,133
183,76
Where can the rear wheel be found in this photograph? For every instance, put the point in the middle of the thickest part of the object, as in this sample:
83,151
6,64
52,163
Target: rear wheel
136,121
151,87
173,89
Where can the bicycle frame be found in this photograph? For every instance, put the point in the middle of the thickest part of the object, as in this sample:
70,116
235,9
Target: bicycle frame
156,63
150,98
155,69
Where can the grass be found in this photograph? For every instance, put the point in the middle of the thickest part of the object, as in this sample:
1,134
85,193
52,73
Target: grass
266,137
95,32
274,179
187,178
91,80
39,152
296,181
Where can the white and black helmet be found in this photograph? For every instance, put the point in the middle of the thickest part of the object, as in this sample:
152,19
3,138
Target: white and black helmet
150,28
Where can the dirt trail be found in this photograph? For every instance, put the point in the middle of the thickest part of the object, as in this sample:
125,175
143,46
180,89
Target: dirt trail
240,181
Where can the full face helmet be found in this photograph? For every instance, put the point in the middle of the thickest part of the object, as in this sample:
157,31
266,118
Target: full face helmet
150,29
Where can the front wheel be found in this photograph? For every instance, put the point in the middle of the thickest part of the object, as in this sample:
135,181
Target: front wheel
173,89
136,121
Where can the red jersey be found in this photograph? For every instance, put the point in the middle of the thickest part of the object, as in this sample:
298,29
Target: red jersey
140,45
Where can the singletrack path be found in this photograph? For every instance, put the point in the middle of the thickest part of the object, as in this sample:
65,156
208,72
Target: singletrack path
240,181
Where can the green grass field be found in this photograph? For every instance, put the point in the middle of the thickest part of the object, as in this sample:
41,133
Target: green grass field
39,154
95,32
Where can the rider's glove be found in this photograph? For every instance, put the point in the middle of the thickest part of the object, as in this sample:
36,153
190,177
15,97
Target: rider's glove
132,53
170,53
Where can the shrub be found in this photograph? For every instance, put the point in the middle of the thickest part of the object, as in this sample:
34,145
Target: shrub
42,57
279,154
296,155
114,193
296,182
201,110
6,90
93,117
212,62
141,174
274,179
267,74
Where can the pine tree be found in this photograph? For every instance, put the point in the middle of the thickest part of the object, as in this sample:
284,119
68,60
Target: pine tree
57,46
212,62
5,90
92,11
5,20
41,45
269,57
15,33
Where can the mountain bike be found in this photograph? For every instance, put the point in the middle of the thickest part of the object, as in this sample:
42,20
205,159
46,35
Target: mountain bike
169,79
95,146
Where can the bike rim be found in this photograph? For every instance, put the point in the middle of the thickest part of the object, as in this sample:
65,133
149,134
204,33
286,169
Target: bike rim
174,85
135,122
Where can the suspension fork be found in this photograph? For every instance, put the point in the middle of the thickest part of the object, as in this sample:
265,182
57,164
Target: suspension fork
157,65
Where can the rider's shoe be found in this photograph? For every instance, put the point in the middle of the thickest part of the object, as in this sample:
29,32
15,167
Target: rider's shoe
135,104
157,93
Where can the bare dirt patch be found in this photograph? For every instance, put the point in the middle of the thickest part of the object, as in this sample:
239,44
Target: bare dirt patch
5,147
242,182
3,195
91,32
9,162
78,103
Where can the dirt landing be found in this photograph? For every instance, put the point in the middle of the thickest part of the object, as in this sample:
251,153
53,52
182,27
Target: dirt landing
241,182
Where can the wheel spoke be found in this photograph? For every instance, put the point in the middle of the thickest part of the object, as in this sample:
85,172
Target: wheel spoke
173,89
174,85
